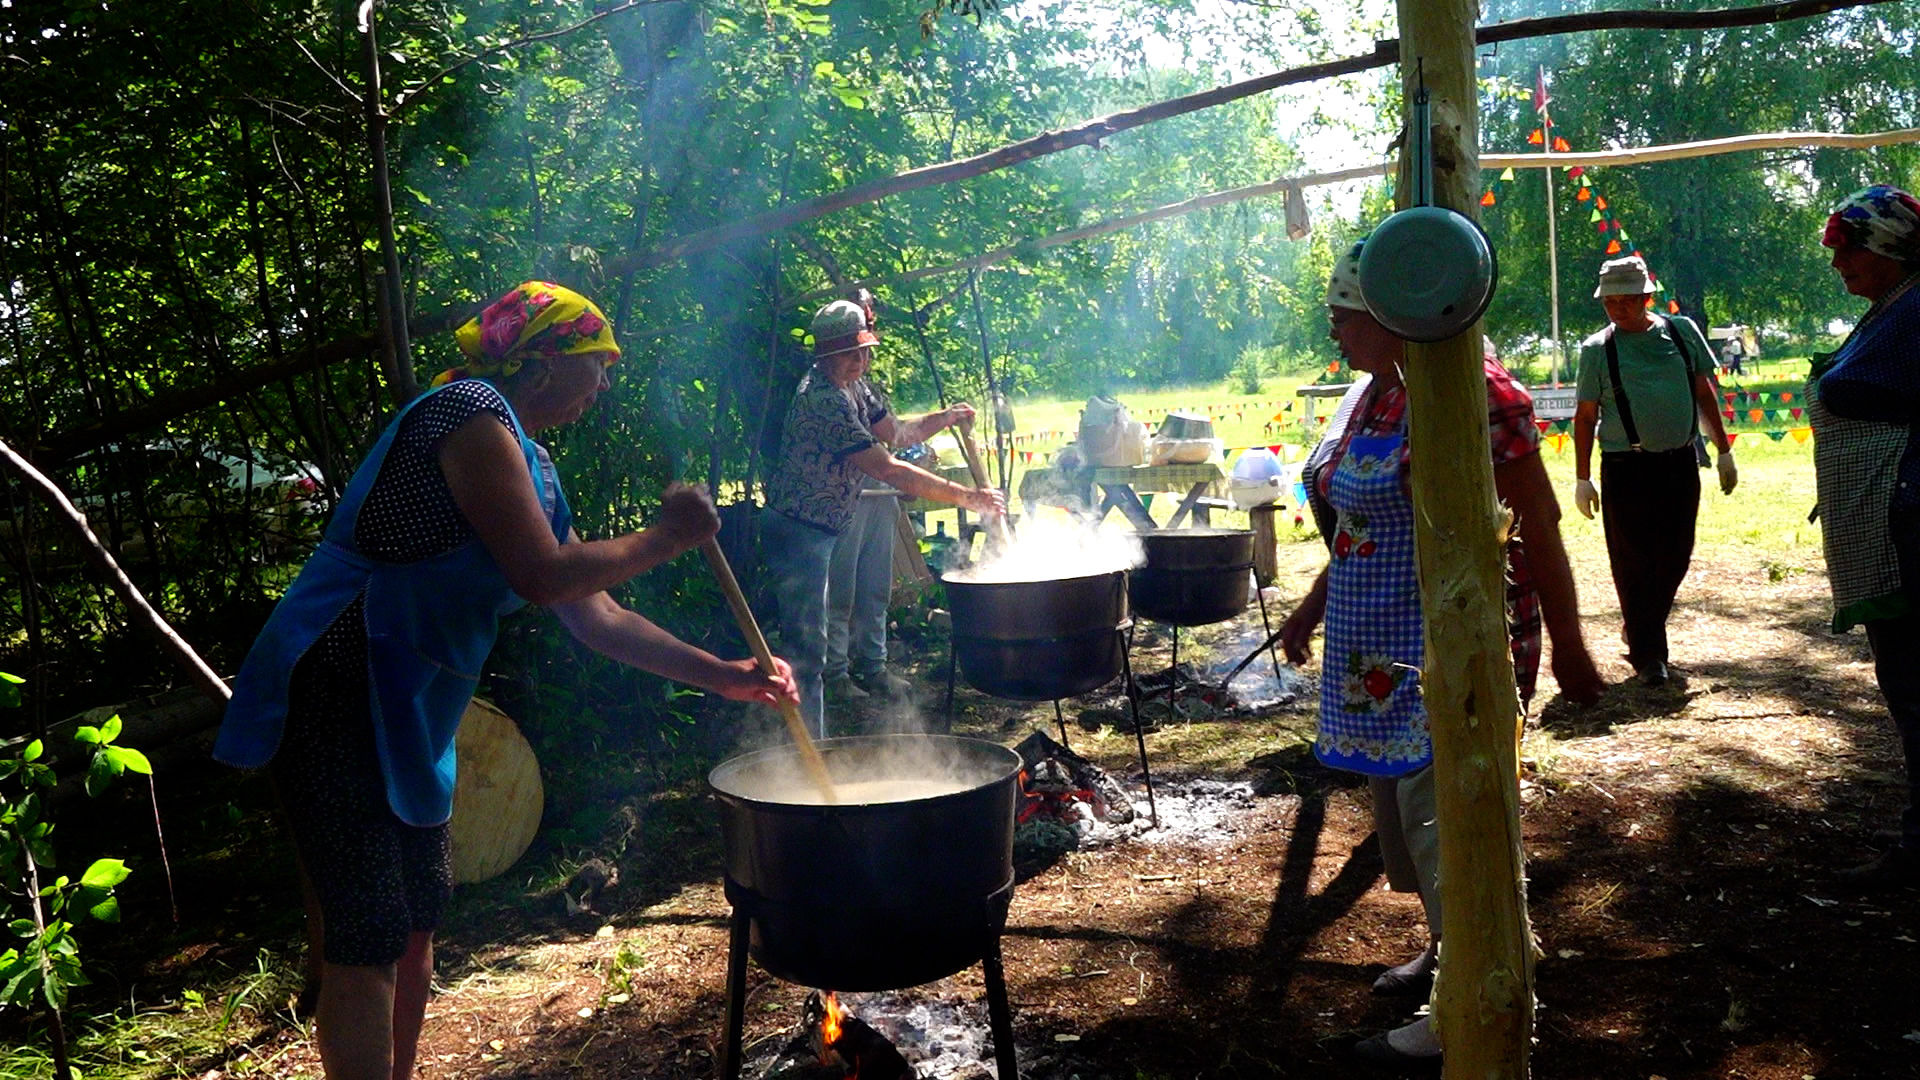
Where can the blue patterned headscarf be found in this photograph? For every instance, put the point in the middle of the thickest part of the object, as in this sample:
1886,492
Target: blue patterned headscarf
1883,219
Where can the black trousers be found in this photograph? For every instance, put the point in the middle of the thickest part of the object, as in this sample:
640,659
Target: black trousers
1896,663
1649,502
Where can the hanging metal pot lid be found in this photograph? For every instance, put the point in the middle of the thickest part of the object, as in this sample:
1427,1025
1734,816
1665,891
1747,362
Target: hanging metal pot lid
1427,273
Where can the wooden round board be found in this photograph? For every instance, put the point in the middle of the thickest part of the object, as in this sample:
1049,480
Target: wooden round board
498,799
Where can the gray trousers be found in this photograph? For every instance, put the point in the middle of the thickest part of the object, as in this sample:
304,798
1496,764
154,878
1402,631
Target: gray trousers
1403,819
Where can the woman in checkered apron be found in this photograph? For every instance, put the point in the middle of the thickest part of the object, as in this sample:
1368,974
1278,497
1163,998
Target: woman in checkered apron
1862,401
1372,718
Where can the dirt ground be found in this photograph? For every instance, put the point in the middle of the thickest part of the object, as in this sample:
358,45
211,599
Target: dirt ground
1681,842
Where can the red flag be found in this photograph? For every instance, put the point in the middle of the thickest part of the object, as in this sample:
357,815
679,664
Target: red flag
1536,138
1560,145
1487,199
1540,96
1583,194
1673,307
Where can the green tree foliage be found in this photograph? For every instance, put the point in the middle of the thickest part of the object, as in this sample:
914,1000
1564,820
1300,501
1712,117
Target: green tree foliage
1736,237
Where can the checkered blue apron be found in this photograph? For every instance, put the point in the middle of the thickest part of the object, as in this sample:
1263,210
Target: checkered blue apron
1372,719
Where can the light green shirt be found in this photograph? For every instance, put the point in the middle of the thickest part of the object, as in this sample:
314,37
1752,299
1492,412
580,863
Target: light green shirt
1658,381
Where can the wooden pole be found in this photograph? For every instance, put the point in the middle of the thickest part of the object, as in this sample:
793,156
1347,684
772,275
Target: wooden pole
1483,1010
1553,228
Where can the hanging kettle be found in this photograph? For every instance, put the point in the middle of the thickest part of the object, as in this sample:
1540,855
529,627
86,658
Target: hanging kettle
1427,273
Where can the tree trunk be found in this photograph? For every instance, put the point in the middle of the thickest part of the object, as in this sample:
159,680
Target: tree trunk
1484,1006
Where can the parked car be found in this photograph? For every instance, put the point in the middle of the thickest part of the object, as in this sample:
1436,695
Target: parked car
180,487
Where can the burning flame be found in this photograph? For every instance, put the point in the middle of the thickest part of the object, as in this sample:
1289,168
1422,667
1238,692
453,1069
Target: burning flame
830,1024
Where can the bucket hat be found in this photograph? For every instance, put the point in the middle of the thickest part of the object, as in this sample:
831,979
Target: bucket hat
1625,276
840,327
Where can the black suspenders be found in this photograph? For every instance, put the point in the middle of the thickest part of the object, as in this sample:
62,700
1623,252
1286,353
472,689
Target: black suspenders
1620,402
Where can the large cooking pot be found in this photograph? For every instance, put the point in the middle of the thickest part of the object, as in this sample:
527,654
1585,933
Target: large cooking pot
1192,577
1039,640
871,896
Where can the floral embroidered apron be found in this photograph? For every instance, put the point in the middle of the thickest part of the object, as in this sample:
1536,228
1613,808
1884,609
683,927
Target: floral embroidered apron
1372,719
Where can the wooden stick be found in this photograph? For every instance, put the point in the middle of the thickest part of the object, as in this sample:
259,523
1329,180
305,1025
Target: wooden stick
198,670
996,524
816,766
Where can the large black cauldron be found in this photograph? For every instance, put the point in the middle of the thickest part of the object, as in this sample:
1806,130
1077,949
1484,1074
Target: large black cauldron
1192,577
876,896
1040,640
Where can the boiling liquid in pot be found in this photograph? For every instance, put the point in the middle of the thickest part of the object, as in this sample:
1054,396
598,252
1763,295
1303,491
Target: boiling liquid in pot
863,791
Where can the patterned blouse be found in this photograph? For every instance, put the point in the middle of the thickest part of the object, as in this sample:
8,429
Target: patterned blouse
817,482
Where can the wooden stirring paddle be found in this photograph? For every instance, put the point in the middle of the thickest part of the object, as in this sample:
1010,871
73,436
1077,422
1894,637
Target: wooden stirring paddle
816,766
999,536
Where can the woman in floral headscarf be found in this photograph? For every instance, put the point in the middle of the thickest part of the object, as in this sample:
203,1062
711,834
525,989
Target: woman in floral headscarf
353,690
1863,401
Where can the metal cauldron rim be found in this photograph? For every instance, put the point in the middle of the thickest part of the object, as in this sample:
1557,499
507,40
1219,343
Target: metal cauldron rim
739,762
1033,581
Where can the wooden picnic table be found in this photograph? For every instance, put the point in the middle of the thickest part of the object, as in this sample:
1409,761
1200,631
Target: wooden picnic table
1200,487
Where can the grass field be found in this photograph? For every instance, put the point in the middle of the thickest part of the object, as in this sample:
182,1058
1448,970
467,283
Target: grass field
1767,514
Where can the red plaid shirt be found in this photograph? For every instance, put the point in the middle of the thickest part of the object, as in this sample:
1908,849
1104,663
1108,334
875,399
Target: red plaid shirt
1513,434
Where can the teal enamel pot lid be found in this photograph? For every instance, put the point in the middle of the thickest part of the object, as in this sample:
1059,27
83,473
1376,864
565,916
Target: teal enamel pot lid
1427,273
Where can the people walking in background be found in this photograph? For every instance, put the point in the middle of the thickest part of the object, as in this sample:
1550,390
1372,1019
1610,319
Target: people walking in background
832,438
1373,719
1643,379
1862,402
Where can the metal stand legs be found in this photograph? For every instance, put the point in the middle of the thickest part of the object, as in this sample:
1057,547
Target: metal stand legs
736,995
1139,728
999,1006
999,1012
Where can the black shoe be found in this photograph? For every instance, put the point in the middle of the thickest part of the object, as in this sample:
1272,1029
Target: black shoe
1654,674
1376,1051
1894,868
1411,979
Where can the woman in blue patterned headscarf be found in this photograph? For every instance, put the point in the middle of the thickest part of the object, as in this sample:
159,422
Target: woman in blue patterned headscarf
1863,401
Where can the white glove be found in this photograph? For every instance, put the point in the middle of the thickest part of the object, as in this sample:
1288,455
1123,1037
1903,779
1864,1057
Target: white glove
1729,476
1586,497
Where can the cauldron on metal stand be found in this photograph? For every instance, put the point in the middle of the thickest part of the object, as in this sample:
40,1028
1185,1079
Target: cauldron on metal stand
870,896
1043,641
1195,577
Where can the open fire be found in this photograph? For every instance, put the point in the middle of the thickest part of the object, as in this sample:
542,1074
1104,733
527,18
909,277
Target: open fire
833,1044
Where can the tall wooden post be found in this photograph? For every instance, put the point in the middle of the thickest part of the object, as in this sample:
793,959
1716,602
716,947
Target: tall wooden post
1484,1005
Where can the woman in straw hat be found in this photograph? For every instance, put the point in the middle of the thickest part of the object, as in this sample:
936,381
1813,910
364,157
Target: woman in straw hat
352,692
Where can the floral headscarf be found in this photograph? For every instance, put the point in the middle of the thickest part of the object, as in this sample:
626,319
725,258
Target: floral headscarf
1883,219
536,319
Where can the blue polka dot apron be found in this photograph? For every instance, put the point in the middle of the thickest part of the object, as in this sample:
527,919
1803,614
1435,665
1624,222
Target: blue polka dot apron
1372,719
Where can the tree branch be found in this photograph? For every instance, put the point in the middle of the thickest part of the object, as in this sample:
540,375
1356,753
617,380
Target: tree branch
401,99
1091,132
203,676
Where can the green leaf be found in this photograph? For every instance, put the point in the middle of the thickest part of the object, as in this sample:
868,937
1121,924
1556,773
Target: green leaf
110,730
86,733
107,910
10,690
23,928
101,772
105,874
33,751
126,757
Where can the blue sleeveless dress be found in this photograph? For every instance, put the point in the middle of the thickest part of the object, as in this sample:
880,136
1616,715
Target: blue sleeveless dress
429,626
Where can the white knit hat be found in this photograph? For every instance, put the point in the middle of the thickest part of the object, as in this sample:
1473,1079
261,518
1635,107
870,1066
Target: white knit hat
1343,288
